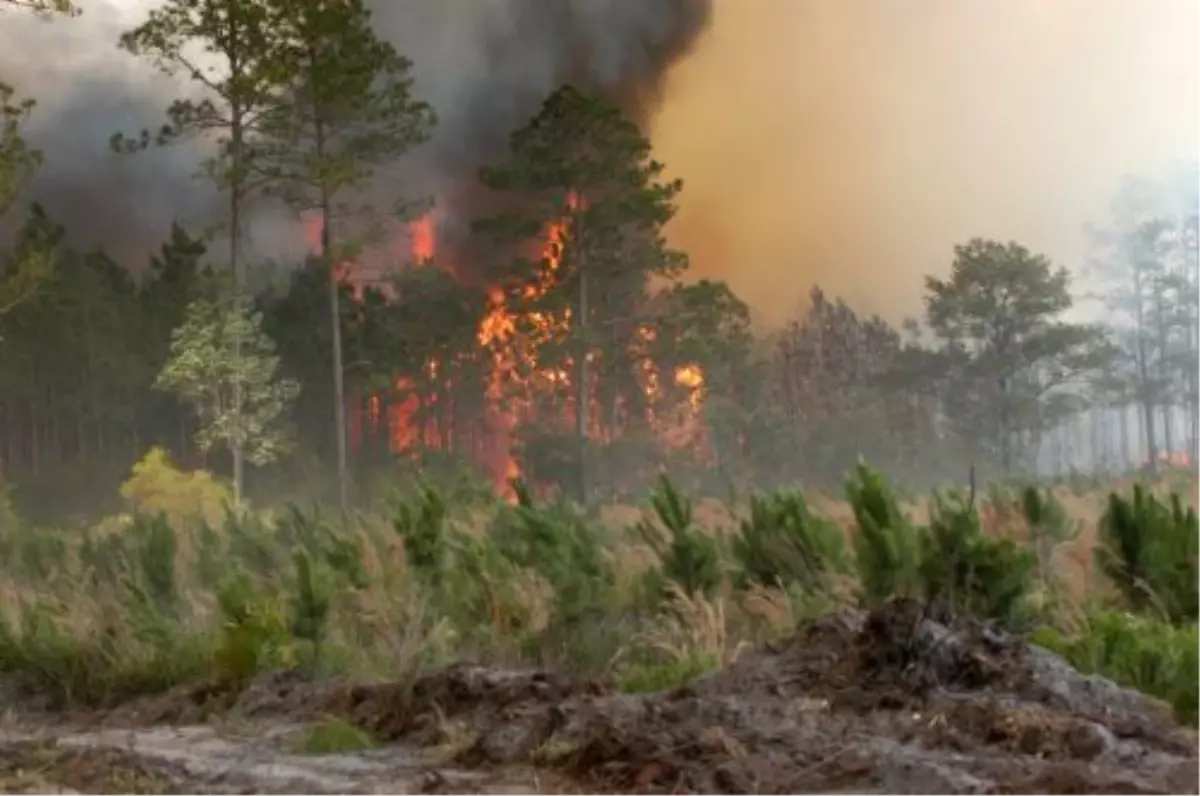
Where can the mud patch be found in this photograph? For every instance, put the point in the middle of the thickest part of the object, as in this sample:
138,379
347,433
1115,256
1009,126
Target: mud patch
45,767
202,759
889,701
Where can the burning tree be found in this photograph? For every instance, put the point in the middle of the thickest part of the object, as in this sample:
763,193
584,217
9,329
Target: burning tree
583,171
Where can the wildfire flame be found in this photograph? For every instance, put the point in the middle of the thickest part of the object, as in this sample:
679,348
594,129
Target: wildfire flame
513,339
421,235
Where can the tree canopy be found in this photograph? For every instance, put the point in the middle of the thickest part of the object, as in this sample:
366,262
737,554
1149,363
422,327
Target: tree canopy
558,336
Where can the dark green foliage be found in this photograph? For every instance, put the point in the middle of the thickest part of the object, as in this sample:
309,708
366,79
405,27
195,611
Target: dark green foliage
558,543
251,541
252,633
690,557
310,604
949,561
421,523
1048,523
308,531
664,675
156,547
1149,551
968,572
1140,652
98,667
782,542
886,547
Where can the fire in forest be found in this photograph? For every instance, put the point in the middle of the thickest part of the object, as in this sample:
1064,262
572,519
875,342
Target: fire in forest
511,339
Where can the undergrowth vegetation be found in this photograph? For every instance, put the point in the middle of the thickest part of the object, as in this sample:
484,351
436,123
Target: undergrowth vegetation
174,592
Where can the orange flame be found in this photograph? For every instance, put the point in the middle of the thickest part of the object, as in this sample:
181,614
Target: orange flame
423,243
513,342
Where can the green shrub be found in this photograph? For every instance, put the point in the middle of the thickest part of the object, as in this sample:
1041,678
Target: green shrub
1049,525
155,548
50,657
1149,551
335,736
690,558
653,676
558,543
310,604
968,572
886,546
782,542
1140,652
421,523
254,633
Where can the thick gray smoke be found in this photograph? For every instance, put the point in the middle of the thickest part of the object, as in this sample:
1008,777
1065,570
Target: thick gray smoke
484,65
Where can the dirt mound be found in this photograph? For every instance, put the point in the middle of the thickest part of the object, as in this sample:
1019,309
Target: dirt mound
883,702
889,701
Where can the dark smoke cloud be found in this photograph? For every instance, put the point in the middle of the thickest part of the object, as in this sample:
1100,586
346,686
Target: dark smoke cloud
484,65
86,90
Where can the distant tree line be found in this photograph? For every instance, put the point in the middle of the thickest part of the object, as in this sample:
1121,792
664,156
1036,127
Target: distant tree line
587,360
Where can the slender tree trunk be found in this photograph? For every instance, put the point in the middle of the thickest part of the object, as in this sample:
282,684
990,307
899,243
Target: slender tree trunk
237,183
1143,366
238,466
581,385
335,321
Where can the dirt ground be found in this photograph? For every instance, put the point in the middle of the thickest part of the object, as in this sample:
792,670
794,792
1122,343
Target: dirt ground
886,702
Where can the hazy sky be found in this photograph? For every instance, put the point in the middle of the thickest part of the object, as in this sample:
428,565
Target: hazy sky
847,142
853,142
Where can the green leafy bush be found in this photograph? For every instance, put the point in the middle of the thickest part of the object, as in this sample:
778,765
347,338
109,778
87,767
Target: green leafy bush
421,523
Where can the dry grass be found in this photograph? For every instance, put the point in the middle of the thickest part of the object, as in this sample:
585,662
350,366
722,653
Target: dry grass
392,623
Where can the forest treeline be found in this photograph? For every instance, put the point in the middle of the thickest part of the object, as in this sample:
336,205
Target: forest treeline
574,350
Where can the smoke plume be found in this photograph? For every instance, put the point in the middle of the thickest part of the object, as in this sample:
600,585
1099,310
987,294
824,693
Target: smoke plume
854,142
484,65
848,142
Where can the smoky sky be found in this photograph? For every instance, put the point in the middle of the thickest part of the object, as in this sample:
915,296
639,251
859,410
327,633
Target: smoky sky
854,142
484,66
846,142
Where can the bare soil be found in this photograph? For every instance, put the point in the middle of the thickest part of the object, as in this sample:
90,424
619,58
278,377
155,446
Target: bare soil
886,702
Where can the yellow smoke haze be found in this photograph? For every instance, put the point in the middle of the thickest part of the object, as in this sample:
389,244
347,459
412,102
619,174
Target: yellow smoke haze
852,143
